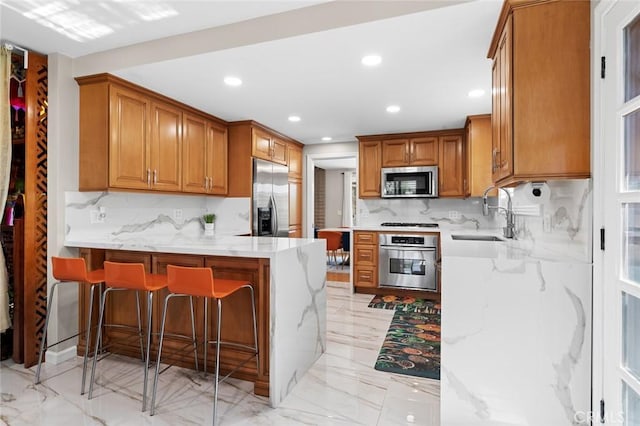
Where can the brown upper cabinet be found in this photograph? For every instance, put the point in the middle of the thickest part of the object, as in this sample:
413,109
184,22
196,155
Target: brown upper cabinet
204,158
369,164
133,138
540,113
295,161
420,151
451,169
268,147
444,148
478,154
249,139
295,189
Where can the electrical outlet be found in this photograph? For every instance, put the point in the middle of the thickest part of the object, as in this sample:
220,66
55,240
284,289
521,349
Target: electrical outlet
177,215
454,214
95,217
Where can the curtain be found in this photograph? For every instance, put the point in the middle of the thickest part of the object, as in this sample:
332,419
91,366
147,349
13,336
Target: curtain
347,201
5,169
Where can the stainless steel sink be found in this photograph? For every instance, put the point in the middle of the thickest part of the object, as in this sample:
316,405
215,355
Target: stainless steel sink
473,237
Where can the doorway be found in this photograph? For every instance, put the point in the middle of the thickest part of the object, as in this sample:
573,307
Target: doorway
330,204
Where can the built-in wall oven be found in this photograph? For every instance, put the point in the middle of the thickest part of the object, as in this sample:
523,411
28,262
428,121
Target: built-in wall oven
408,261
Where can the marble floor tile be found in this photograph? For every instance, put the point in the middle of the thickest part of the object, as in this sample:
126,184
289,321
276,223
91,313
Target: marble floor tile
341,388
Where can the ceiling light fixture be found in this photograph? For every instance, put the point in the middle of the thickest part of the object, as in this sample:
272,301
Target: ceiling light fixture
371,60
327,138
232,81
476,93
294,118
393,109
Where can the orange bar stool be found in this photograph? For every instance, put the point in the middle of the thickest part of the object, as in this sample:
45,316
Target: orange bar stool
129,276
334,243
192,281
70,270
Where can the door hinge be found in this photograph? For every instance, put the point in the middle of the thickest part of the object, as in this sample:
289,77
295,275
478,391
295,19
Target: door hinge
602,411
601,238
603,66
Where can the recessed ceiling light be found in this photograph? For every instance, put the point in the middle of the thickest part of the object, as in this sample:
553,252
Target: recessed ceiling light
393,109
327,138
232,81
476,93
294,118
371,60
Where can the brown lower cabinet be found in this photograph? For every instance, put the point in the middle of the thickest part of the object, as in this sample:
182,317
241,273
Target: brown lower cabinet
365,269
236,314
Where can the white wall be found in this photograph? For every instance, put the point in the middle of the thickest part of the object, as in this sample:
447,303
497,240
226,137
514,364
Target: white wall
62,175
333,198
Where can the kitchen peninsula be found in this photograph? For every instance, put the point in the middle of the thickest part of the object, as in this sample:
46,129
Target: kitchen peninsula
288,276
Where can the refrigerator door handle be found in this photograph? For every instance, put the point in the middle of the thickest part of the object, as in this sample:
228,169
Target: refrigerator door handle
274,216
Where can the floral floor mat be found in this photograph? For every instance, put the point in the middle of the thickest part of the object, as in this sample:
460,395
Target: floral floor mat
405,304
412,345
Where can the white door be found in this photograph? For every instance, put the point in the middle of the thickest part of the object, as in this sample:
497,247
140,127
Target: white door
618,142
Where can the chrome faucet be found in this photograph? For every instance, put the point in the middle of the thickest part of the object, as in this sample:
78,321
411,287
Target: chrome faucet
508,231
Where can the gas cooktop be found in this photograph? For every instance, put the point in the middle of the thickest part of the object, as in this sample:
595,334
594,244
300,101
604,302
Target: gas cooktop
410,224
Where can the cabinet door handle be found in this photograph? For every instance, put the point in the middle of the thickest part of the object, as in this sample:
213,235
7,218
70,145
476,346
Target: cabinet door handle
208,183
493,161
155,176
148,177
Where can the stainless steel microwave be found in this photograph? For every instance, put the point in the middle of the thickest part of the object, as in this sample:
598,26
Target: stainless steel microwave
409,182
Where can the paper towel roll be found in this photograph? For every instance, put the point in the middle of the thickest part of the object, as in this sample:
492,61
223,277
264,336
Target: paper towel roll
536,192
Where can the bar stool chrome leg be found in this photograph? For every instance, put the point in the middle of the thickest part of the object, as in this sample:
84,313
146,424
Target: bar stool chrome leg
46,328
255,328
160,345
217,374
103,301
193,333
98,339
140,325
88,337
206,332
146,359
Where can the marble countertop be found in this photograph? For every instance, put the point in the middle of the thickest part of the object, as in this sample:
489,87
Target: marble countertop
508,249
217,245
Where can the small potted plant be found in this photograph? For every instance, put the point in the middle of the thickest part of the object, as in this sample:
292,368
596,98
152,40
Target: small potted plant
209,220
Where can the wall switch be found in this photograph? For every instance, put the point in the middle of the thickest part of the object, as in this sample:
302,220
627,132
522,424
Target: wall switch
339,212
454,214
177,215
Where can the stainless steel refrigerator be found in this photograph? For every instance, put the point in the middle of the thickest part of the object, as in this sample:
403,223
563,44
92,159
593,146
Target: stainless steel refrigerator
270,199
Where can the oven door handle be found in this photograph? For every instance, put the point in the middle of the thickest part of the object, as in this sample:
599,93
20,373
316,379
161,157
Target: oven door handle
407,248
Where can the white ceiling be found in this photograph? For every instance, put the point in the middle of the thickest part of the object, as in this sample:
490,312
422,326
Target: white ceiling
431,58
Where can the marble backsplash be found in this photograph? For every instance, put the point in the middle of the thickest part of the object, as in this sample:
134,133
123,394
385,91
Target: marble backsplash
558,220
447,212
130,214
